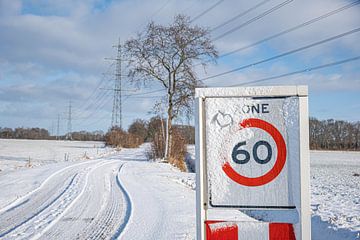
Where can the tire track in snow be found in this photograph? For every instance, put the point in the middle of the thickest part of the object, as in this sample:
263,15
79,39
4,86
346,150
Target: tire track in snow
73,218
15,216
61,211
20,201
72,205
47,216
39,211
108,221
109,216
128,206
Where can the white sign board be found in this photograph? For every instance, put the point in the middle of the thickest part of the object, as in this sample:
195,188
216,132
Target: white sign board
252,150
247,142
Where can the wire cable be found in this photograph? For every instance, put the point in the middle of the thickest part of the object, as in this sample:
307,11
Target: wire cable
300,71
156,12
284,54
96,109
145,93
206,11
258,17
239,15
326,15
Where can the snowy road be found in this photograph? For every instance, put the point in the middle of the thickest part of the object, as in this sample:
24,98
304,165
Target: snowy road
162,207
123,196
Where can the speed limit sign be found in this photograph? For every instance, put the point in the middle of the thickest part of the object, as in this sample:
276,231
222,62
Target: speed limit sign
252,150
279,161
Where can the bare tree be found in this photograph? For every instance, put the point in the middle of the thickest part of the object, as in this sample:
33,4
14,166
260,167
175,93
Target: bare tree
167,54
139,128
334,134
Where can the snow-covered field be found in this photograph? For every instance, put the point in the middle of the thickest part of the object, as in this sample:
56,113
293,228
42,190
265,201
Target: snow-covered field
335,194
16,153
119,194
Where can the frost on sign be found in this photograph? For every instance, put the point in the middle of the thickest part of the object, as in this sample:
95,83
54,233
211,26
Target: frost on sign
252,151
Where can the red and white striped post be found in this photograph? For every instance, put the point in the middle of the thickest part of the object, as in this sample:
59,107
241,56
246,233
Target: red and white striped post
216,230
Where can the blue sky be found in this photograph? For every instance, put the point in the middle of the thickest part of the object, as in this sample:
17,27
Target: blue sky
52,52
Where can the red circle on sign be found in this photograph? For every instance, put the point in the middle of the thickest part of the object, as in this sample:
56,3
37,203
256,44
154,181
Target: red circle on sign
280,159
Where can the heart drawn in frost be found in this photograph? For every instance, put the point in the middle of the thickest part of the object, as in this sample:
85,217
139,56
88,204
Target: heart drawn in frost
222,119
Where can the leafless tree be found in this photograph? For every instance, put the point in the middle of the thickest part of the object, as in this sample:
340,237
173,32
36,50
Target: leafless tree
139,128
167,54
334,135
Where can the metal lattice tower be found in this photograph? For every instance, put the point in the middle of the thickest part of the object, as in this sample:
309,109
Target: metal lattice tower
69,130
117,103
58,128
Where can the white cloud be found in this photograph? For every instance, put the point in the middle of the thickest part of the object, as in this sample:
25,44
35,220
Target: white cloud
54,50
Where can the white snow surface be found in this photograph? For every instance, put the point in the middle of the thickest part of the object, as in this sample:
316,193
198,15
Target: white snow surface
116,196
121,195
335,194
15,153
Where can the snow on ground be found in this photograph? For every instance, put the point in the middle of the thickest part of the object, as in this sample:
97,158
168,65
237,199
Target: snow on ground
15,153
122,195
162,207
335,194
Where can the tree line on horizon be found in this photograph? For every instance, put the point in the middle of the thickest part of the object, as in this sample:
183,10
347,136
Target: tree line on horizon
327,134
333,134
43,134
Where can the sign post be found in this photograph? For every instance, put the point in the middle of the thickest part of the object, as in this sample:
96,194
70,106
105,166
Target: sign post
252,152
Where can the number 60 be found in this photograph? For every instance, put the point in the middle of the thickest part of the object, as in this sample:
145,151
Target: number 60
236,152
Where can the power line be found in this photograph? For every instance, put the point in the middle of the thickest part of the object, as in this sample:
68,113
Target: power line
239,15
160,9
85,115
283,54
326,15
300,71
145,93
104,100
258,17
81,113
98,85
101,99
186,9
93,120
101,120
143,97
96,120
156,12
232,19
93,98
95,102
206,11
101,105
98,103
